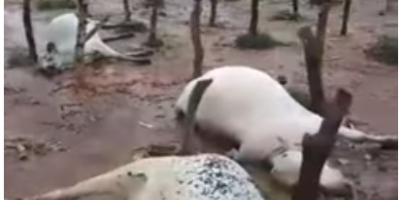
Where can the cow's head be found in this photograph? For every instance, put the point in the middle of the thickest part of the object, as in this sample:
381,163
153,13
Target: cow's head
48,64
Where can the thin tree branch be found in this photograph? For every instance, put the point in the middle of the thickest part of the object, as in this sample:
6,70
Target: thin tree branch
127,10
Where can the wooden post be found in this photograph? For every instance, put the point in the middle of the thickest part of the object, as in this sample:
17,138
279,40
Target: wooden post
346,14
29,30
254,18
318,147
127,10
314,50
196,39
323,17
85,8
152,41
194,101
295,4
213,12
80,43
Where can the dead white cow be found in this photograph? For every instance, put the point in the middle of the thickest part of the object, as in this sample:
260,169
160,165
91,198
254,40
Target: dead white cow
252,108
200,177
61,41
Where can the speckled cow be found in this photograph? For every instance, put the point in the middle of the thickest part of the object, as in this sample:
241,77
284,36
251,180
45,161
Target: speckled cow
200,177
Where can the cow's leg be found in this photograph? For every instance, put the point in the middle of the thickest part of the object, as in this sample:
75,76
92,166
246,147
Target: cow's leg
355,135
121,183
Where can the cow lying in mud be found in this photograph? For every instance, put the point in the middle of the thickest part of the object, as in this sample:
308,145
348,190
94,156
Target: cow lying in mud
253,109
200,177
61,42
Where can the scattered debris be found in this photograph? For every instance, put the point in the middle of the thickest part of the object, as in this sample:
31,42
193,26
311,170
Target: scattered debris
154,150
146,125
9,90
26,148
368,157
26,101
343,161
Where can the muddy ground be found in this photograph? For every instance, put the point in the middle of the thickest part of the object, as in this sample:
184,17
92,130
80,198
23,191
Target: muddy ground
69,134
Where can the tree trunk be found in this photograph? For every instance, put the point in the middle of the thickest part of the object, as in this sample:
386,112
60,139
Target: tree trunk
323,17
85,8
152,40
213,12
346,14
196,39
127,10
295,4
313,68
318,147
80,39
254,17
29,30
314,52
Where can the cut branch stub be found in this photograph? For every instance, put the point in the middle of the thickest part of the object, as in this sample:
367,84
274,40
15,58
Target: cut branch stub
318,147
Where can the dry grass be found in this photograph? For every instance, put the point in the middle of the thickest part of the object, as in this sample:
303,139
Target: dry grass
54,4
259,41
385,50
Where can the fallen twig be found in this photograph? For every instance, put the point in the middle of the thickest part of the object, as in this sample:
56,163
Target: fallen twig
118,37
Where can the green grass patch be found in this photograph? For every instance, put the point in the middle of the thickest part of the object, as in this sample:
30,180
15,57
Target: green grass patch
385,50
259,41
55,4
286,15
